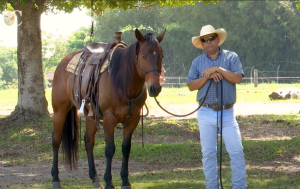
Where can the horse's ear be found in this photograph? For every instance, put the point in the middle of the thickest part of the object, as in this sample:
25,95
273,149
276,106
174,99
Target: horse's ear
139,36
160,37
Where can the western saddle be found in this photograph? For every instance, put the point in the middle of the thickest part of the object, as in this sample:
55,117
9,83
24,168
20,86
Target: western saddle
84,85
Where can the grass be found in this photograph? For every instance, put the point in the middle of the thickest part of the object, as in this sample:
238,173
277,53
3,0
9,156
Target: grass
35,140
179,158
245,93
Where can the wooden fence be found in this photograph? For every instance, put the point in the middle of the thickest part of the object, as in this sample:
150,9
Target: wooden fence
181,81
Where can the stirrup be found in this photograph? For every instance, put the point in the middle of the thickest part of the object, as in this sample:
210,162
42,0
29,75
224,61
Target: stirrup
81,110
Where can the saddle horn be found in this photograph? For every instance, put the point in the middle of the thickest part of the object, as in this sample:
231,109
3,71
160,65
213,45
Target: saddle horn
117,37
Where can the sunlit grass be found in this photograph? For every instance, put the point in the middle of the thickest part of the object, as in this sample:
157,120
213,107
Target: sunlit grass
170,95
245,93
9,99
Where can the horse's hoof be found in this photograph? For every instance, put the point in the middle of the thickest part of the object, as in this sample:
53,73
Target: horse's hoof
98,185
111,187
56,185
126,187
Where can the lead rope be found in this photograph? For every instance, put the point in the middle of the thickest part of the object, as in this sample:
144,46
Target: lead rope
220,131
142,128
188,113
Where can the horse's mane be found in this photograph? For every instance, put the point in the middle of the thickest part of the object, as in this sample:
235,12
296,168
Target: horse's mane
123,65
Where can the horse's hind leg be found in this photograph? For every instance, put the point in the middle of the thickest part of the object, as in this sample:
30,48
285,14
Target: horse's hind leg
58,124
89,140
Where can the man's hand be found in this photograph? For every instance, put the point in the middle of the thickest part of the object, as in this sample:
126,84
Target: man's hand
207,72
216,76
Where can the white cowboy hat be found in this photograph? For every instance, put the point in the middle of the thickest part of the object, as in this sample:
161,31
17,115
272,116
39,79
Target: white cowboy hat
208,29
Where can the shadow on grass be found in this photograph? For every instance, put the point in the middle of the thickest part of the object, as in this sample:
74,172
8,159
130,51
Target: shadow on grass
181,179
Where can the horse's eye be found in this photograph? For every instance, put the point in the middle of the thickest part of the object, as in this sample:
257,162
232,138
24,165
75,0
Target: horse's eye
144,56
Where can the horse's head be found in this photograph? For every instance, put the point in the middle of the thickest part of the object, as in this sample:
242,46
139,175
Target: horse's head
149,60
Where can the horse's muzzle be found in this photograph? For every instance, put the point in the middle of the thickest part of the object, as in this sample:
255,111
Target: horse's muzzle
154,91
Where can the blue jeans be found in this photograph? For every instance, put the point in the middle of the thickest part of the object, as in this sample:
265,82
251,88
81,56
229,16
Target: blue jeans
207,120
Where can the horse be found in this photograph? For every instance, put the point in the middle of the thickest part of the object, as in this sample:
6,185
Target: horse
122,92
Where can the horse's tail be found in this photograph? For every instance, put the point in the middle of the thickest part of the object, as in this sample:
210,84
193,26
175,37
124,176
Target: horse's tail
70,138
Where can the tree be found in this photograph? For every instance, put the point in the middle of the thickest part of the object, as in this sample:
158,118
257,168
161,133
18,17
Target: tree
32,103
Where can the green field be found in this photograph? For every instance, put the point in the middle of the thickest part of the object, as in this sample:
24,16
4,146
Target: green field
245,93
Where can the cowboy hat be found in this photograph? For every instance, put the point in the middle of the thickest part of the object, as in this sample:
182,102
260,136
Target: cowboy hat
209,29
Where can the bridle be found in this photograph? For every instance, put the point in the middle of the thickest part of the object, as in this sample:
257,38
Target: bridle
138,66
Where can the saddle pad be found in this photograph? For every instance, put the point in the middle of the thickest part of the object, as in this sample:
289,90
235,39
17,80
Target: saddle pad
73,63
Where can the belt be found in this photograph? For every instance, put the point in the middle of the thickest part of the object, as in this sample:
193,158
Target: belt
216,107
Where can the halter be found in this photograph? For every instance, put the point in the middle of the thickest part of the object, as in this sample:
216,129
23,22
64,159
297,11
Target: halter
139,67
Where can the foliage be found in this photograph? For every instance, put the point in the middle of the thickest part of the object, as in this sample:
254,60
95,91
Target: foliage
262,33
54,49
1,81
8,65
78,40
99,6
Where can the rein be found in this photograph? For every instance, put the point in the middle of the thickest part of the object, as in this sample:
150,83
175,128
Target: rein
188,113
131,104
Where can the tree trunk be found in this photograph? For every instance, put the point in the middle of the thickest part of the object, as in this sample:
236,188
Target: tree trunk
32,102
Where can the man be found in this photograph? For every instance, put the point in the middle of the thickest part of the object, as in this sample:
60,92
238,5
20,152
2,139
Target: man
162,75
219,66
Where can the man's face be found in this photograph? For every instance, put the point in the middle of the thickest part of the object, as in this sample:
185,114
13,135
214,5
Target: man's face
210,43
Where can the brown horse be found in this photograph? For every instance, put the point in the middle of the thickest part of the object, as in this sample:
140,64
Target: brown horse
121,95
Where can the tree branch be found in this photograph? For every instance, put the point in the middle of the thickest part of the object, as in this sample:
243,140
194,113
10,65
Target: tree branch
96,12
41,4
147,7
89,5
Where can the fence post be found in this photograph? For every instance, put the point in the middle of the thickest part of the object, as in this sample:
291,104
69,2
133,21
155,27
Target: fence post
278,72
255,74
251,73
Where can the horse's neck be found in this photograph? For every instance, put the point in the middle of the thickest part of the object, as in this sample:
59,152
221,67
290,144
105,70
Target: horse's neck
137,81
137,85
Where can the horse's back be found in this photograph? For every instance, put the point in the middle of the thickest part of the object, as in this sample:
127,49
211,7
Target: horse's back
65,61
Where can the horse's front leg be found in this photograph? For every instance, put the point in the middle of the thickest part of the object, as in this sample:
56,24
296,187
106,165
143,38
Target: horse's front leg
126,147
109,124
89,140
